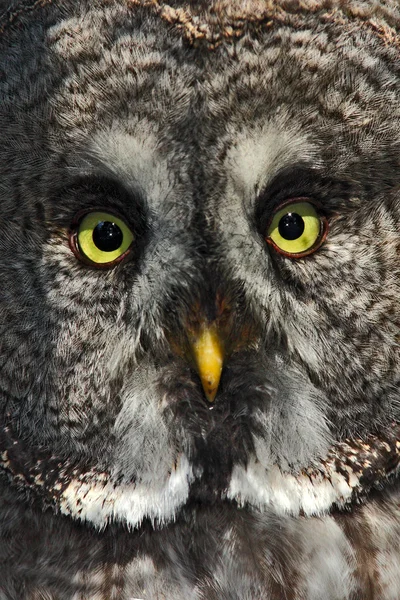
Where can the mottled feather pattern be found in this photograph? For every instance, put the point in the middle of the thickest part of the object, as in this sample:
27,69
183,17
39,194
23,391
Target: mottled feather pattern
194,122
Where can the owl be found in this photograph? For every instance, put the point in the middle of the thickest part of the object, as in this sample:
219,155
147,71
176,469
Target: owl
200,300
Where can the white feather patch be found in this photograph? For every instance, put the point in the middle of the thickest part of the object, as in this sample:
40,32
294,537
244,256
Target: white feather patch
309,495
100,502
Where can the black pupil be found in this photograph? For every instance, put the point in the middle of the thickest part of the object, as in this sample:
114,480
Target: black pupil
107,236
291,226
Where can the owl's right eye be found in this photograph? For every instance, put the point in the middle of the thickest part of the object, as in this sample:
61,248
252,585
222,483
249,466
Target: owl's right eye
100,238
297,229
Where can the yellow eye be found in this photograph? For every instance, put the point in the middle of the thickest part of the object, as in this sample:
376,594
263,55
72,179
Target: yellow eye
296,229
101,238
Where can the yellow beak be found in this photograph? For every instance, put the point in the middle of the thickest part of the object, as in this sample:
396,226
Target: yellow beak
209,357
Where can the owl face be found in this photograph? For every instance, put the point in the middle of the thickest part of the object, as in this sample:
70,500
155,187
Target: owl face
164,199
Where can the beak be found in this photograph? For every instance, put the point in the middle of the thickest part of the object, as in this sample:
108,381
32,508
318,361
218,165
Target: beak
208,353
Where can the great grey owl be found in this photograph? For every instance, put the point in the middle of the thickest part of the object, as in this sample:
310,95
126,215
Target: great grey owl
200,300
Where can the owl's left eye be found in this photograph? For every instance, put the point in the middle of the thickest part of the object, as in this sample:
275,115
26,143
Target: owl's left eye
101,238
297,229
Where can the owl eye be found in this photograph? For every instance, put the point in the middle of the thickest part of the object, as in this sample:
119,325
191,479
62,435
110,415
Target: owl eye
296,229
101,238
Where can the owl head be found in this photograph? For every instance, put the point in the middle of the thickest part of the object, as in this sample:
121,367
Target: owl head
199,242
